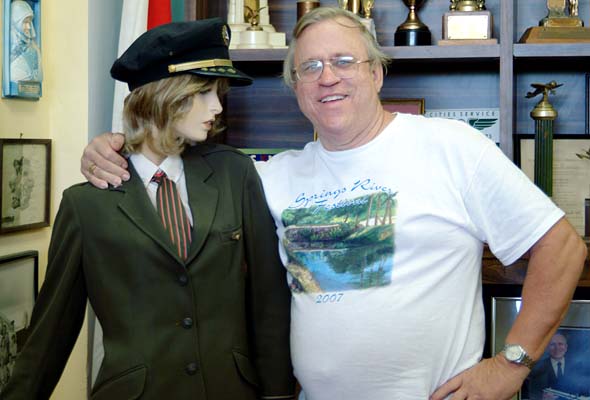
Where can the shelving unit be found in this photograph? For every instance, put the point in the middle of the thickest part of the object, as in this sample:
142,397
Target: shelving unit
266,114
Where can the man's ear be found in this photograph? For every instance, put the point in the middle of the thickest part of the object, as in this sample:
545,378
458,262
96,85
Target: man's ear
378,74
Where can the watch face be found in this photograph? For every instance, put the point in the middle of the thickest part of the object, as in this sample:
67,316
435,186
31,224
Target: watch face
513,353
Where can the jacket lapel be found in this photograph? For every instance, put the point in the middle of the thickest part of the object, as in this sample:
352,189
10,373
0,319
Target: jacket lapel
137,207
203,199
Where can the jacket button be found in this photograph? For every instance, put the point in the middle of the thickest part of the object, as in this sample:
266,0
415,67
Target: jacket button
187,323
182,280
191,368
235,236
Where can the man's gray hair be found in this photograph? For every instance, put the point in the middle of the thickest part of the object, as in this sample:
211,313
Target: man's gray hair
374,53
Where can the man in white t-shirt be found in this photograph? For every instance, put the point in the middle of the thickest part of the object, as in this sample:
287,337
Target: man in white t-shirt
382,224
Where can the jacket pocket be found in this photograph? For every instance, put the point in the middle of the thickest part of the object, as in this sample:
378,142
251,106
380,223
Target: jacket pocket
245,368
128,385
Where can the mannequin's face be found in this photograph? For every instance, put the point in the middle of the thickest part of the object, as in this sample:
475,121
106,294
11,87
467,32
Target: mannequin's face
196,124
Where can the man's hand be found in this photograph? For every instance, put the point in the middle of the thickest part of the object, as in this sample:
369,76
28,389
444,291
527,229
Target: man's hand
101,164
491,379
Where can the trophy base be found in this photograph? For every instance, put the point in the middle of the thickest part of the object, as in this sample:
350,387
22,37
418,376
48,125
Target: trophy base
414,37
541,34
467,25
563,22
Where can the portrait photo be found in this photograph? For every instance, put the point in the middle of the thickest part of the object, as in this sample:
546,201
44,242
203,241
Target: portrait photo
563,371
22,69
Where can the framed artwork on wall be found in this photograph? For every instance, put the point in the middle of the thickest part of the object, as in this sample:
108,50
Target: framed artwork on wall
571,344
571,172
22,72
408,106
18,291
25,179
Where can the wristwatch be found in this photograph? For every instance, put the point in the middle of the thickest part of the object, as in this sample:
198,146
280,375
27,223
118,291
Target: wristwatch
517,355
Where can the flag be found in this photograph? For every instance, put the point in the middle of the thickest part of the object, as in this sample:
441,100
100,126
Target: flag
137,16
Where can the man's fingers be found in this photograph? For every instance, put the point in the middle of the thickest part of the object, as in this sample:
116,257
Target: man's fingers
449,387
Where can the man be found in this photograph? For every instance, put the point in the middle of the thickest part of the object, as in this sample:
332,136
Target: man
382,224
556,372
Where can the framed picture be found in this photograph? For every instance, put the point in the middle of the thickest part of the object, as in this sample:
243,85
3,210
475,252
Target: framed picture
261,154
25,181
18,292
18,287
571,173
571,344
22,72
408,106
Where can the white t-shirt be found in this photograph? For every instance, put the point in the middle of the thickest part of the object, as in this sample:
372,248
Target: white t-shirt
383,244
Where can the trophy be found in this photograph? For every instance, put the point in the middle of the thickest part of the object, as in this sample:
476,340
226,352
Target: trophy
245,17
412,32
367,7
305,6
467,22
561,25
544,115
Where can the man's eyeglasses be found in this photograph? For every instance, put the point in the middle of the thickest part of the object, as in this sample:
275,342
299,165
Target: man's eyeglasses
344,67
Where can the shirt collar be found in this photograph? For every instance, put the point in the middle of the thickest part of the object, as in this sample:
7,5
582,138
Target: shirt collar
172,167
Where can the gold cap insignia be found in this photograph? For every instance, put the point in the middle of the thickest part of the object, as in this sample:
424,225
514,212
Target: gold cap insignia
225,35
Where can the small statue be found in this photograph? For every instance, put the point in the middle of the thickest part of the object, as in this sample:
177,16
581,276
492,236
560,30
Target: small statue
367,6
253,18
343,4
573,8
543,88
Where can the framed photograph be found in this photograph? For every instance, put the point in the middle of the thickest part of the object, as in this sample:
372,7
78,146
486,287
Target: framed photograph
18,287
571,173
408,106
569,346
261,154
25,179
22,73
18,293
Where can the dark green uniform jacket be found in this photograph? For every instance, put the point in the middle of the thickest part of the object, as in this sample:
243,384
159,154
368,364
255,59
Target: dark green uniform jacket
214,327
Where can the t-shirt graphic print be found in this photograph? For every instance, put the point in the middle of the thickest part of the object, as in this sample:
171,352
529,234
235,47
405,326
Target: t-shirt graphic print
348,246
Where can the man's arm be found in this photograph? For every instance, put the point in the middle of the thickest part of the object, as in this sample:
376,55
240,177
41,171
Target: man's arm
101,163
555,265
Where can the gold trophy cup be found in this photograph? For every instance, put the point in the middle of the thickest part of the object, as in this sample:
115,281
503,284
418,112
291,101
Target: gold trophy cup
412,32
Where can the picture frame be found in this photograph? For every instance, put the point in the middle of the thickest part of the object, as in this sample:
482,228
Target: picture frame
575,326
22,72
25,181
19,286
571,173
408,106
262,154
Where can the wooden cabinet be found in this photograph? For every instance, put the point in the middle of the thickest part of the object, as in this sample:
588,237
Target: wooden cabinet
469,76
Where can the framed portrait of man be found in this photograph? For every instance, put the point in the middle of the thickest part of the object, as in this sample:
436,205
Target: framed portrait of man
563,371
22,72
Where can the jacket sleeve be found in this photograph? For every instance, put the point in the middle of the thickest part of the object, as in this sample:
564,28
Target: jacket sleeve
269,295
57,316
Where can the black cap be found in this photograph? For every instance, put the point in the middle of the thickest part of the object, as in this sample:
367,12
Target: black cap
193,47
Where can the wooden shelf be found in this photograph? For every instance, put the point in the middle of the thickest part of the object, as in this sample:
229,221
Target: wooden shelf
553,51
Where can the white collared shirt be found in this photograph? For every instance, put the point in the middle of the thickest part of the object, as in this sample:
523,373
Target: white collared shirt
174,170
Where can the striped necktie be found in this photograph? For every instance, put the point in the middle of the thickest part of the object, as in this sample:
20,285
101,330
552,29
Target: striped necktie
172,213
